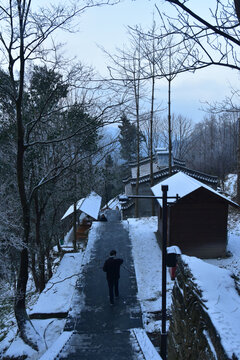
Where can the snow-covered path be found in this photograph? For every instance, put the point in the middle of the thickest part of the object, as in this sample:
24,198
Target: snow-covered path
100,330
97,329
124,321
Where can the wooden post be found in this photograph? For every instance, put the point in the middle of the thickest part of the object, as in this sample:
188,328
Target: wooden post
75,227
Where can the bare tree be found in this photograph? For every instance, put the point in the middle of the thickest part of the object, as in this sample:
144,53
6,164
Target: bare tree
171,64
159,127
151,55
165,58
215,39
181,135
136,86
213,144
125,70
182,130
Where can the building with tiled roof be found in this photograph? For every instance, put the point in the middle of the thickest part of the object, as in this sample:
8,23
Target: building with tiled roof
160,172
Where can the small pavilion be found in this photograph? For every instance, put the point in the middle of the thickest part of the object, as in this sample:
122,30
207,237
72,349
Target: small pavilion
197,221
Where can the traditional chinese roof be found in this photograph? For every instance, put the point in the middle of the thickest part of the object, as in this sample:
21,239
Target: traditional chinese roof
182,185
161,173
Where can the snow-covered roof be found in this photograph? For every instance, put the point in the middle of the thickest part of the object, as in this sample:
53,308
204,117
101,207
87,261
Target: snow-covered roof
174,250
70,210
181,184
113,204
162,151
89,205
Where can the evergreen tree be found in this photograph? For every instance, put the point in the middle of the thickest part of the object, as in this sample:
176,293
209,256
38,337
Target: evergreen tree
108,179
128,140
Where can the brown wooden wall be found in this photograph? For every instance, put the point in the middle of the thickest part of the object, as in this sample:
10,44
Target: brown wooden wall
198,224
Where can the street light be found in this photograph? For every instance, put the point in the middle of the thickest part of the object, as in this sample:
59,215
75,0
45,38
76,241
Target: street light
164,197
164,273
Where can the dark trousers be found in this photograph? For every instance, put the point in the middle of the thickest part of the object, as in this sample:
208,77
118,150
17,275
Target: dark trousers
113,288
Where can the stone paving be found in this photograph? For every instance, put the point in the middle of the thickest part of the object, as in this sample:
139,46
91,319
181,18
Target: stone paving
102,331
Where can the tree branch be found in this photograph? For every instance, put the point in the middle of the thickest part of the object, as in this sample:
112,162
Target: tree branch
204,22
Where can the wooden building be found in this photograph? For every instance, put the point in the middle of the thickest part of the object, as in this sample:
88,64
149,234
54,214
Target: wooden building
160,173
197,222
84,212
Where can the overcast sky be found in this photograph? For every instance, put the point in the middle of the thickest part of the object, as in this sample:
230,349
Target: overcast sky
107,26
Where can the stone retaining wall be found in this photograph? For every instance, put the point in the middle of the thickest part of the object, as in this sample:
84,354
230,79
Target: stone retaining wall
192,335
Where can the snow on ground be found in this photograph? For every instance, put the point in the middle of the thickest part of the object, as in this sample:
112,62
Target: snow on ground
232,261
55,349
68,238
148,267
230,185
54,299
147,348
221,299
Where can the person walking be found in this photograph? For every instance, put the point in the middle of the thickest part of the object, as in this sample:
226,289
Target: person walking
112,269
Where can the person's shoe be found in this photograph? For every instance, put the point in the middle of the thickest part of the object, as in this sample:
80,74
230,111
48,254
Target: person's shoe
111,303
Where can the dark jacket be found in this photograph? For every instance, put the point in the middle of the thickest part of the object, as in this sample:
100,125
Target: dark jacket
112,268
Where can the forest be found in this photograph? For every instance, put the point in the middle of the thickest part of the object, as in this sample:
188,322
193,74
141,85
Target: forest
66,130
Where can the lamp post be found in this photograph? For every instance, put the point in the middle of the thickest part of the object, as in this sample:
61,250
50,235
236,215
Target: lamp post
164,273
164,198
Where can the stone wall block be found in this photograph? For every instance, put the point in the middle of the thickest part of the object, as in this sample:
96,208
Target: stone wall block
192,334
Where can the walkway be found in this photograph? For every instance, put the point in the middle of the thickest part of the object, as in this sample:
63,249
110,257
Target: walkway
101,331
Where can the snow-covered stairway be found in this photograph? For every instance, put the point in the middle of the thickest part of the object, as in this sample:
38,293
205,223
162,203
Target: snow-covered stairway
102,331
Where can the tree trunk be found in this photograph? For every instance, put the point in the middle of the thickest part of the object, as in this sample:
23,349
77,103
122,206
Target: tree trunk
21,315
138,169
151,139
34,272
137,98
42,281
49,263
169,128
23,321
20,296
40,256
39,245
